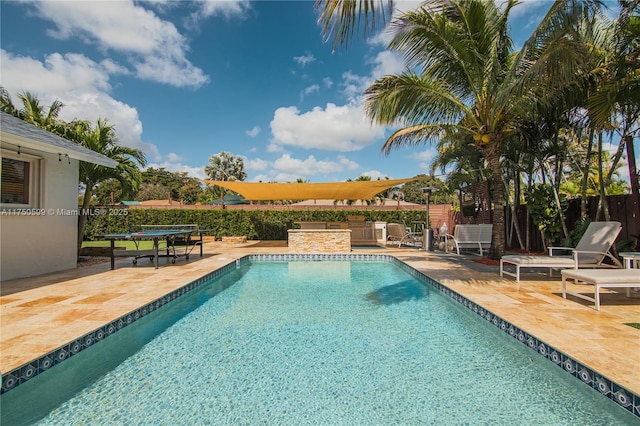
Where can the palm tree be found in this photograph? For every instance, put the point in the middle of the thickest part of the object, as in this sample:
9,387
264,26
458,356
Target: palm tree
33,111
102,139
225,166
468,80
615,101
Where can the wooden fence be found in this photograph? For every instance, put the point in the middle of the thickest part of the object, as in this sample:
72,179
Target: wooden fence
622,208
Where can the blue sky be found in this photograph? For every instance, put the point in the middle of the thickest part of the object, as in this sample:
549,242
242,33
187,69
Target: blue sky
185,80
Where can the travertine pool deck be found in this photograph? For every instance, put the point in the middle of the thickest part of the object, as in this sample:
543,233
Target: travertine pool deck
38,315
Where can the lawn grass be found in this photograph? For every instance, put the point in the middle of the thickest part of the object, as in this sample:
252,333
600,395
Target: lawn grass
130,245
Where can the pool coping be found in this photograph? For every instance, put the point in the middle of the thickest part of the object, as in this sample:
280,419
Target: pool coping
623,397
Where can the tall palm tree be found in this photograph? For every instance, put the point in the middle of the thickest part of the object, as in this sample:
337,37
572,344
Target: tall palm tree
225,166
102,139
463,77
614,102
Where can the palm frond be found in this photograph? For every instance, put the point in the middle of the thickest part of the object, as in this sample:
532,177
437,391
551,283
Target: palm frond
410,98
340,19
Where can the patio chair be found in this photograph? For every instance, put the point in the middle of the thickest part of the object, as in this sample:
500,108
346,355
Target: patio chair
397,232
590,252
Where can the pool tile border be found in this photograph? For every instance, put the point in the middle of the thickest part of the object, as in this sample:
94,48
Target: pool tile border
606,387
20,375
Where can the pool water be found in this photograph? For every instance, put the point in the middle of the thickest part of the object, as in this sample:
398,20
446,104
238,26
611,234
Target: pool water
306,343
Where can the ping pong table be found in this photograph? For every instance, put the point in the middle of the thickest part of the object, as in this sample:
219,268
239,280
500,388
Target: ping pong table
170,239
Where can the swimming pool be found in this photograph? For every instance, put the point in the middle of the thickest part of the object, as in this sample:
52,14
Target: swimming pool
333,342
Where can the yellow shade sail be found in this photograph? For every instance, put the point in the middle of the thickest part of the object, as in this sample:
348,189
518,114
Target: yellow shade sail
358,190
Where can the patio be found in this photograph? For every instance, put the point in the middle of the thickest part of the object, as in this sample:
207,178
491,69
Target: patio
42,313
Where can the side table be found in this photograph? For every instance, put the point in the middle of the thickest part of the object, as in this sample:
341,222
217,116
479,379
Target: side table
630,259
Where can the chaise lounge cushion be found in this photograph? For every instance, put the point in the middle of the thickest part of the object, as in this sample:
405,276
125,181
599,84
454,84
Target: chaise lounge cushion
525,260
601,276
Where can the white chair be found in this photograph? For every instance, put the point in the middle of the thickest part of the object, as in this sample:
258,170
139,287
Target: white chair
590,252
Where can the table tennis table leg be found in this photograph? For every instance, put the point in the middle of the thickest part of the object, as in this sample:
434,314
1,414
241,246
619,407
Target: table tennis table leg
155,247
113,258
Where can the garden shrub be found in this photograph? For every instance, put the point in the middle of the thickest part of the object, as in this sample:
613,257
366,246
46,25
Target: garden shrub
254,224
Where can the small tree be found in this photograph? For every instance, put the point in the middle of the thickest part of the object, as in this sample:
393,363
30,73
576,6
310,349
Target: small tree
225,166
546,215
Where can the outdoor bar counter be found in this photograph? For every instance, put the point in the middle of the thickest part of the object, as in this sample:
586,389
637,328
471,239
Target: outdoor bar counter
319,240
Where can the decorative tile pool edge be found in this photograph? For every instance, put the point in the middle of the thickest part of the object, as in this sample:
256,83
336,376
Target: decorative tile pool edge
589,377
606,387
26,372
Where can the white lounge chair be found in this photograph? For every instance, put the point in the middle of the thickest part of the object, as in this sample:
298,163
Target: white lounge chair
398,233
620,278
590,252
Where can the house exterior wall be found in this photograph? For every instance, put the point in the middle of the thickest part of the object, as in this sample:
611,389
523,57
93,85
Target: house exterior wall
34,244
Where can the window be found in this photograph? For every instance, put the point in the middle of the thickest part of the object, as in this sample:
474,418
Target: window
15,181
19,186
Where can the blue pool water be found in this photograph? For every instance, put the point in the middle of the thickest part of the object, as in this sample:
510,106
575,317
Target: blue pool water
327,343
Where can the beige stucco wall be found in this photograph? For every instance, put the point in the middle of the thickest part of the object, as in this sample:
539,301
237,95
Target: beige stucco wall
34,245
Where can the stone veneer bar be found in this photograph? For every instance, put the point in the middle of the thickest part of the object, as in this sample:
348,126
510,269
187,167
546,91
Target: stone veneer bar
319,240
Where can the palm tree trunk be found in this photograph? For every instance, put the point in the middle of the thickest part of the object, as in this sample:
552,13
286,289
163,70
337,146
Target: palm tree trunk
82,216
603,209
633,173
585,176
498,234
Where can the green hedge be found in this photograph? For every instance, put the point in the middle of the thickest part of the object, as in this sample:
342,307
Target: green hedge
255,224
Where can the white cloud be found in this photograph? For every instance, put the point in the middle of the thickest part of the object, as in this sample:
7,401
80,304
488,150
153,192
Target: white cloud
348,164
227,8
173,157
424,159
311,89
536,8
307,167
328,83
196,172
427,155
81,85
386,63
57,73
154,47
402,6
353,85
305,59
255,164
287,168
337,128
253,132
374,175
